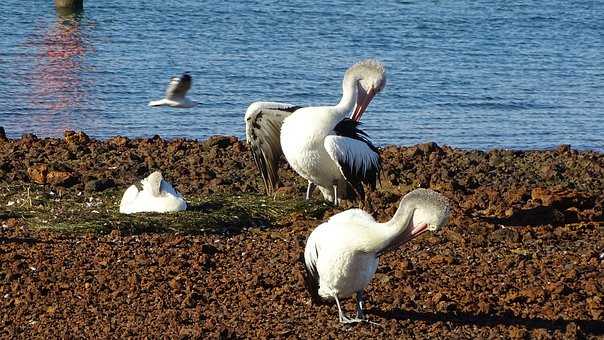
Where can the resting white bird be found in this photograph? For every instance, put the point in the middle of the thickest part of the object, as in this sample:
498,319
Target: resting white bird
176,93
341,255
320,143
157,195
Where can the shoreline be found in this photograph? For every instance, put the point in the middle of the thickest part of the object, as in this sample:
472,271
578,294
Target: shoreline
4,136
519,257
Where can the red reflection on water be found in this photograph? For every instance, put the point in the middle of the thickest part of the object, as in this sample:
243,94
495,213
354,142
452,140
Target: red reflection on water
56,80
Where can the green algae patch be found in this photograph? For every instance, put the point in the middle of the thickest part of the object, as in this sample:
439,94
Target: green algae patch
81,212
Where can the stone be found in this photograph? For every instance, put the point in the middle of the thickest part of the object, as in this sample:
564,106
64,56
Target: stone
72,137
119,140
99,184
220,141
428,148
37,173
563,148
62,178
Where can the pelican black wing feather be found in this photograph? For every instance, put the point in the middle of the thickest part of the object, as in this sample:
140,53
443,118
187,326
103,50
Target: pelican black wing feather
357,157
263,122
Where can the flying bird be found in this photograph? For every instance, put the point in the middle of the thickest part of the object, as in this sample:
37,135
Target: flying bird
176,93
157,195
323,144
341,255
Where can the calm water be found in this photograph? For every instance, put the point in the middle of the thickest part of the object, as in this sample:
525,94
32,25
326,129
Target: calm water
472,74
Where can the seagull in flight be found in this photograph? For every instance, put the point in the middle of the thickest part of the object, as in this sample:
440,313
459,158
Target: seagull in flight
176,93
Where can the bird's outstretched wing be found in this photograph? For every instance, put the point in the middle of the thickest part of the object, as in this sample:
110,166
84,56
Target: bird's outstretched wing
178,87
263,122
356,156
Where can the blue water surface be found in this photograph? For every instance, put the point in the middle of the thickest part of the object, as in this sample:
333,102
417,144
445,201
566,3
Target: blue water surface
471,74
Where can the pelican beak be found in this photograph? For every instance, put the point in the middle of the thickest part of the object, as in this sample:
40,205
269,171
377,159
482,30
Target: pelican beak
414,231
363,100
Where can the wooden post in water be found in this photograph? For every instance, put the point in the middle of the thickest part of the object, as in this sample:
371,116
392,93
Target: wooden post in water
69,6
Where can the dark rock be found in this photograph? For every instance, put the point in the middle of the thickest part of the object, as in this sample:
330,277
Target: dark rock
2,134
220,141
28,138
119,141
209,249
72,137
99,184
428,148
563,148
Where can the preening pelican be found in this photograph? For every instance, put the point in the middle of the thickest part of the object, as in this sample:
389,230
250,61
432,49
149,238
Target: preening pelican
341,255
157,196
321,143
176,93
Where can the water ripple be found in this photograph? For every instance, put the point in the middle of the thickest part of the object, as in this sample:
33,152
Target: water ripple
470,74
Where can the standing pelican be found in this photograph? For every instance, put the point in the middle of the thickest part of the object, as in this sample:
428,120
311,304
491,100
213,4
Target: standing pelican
176,93
320,143
341,255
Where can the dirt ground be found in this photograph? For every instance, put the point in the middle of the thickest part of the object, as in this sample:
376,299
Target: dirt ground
518,259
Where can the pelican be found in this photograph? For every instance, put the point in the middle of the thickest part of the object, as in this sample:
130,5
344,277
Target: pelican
157,196
321,143
176,93
341,255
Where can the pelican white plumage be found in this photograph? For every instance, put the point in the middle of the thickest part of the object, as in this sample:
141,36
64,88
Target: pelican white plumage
176,93
321,143
157,195
341,255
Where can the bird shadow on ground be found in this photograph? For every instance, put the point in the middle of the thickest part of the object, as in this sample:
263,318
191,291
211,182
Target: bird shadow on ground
19,240
593,327
532,217
205,207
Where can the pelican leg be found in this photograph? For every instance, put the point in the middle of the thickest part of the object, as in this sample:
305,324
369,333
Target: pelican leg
335,195
309,190
360,312
344,318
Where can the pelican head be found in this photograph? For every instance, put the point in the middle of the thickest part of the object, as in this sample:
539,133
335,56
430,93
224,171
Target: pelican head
370,76
422,210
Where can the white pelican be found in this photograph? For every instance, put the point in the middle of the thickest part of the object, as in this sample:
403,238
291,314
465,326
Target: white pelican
320,143
341,255
157,196
176,93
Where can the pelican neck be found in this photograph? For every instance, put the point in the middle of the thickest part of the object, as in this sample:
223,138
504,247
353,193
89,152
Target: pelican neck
349,95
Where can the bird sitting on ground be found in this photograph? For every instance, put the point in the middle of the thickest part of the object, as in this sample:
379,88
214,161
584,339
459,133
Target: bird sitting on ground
176,93
341,255
157,195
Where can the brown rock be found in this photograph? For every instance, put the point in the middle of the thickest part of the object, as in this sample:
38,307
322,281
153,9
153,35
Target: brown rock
428,148
37,173
72,137
119,141
563,148
441,259
60,177
558,197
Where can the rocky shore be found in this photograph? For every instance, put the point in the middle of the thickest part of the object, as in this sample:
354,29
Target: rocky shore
519,258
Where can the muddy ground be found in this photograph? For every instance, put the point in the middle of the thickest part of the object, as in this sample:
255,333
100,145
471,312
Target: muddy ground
518,259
